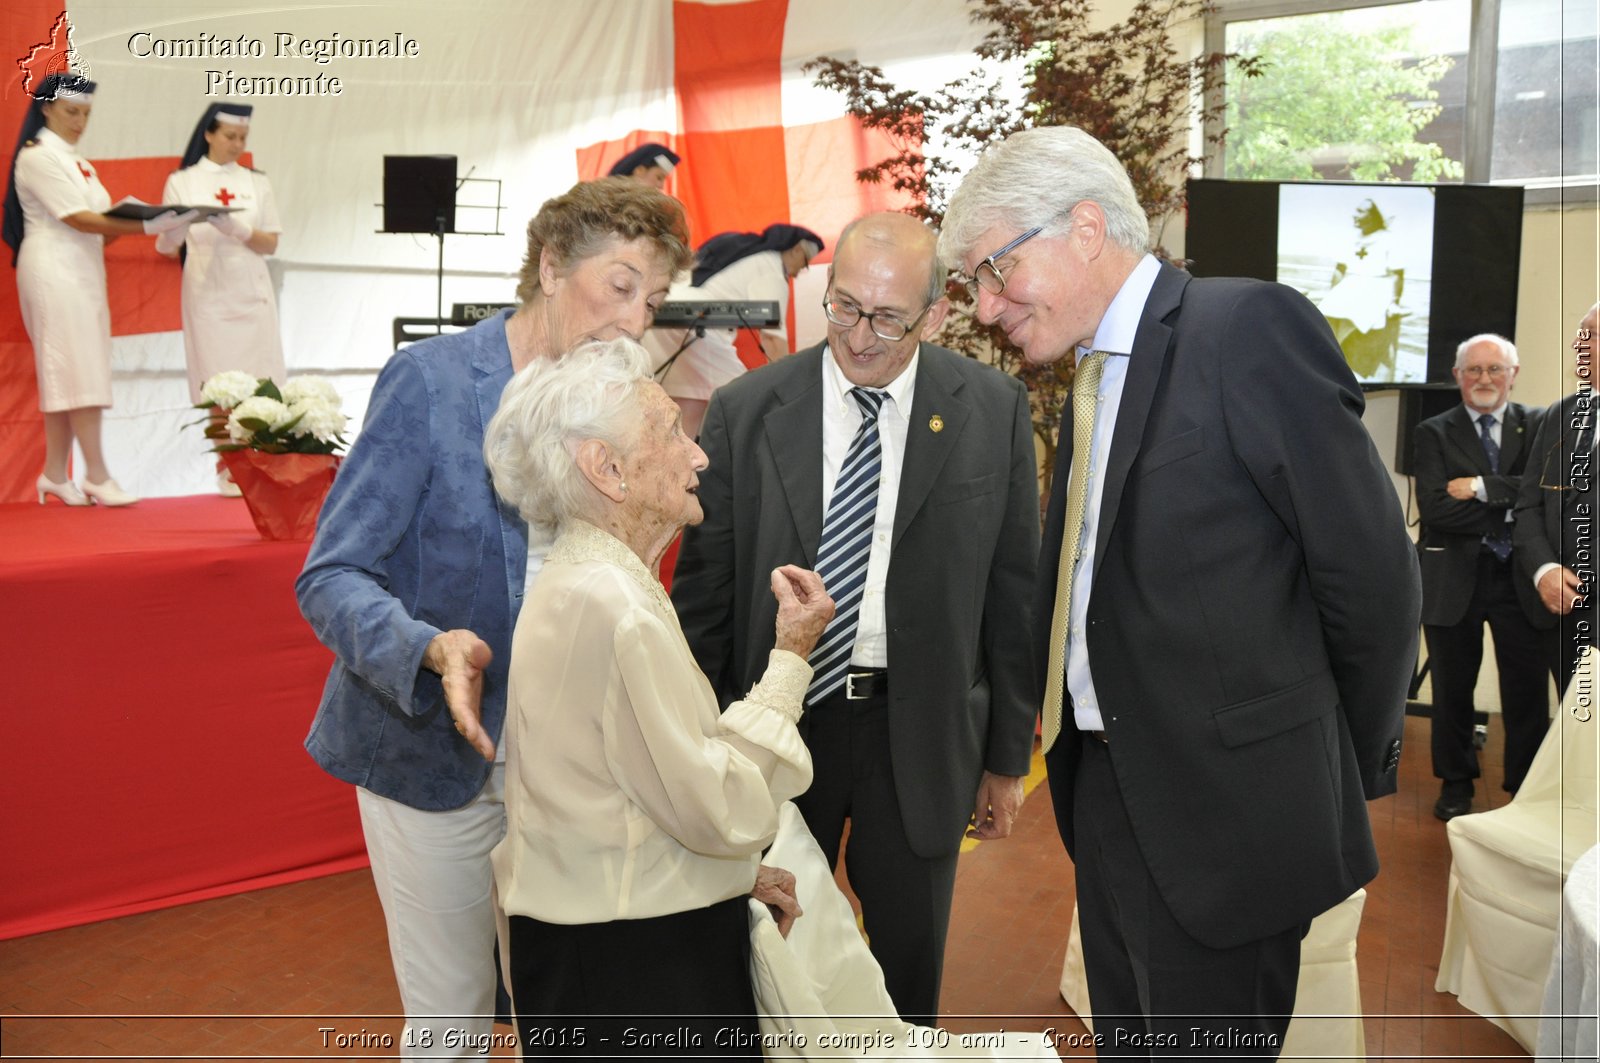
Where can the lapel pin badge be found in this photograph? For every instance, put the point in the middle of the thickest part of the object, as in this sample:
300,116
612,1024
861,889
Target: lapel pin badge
936,423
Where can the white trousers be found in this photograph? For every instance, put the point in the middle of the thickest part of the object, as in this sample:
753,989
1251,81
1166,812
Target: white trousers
434,881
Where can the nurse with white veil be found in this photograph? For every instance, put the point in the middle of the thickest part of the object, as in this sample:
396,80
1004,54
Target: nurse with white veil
230,314
57,228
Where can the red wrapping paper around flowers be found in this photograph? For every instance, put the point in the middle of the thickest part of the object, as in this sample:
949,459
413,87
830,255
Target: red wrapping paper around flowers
284,492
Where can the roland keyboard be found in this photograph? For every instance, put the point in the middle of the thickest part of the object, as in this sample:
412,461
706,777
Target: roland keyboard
740,313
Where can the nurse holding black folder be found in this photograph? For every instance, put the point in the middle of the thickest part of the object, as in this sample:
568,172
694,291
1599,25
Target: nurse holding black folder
55,225
230,314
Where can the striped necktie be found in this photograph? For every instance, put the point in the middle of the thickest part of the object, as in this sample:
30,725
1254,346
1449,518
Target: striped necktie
1085,393
1499,543
846,543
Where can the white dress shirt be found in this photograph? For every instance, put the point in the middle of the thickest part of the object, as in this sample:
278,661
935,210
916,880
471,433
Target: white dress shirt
628,795
841,417
1114,336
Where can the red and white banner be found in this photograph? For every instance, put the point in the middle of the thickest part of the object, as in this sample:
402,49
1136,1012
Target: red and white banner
530,97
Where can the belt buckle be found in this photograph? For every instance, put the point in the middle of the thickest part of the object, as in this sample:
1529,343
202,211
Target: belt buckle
850,685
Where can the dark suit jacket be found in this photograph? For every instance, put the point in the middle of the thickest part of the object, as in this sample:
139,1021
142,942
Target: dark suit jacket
1252,624
1448,446
1556,502
966,534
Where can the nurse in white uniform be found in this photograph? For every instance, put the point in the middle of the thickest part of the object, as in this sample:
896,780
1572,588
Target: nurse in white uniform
55,226
230,315
728,267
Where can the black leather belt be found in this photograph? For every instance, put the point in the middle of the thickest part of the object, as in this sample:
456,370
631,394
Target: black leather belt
866,683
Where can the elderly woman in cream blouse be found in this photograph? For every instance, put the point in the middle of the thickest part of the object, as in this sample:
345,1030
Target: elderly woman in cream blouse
636,811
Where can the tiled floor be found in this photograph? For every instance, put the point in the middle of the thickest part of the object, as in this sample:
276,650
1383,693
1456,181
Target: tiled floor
286,973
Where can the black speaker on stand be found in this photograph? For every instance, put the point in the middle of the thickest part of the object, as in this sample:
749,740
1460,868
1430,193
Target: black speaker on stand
419,196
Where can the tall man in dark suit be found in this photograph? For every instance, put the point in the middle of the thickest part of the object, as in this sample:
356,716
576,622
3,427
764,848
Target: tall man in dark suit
1555,530
1228,623
1468,464
905,474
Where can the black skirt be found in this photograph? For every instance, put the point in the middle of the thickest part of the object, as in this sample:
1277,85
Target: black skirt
674,986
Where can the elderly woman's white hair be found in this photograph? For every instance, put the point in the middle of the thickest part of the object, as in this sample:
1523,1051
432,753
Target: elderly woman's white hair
1035,178
549,409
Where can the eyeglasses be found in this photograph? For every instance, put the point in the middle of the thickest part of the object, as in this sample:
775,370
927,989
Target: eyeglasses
1495,372
987,275
845,315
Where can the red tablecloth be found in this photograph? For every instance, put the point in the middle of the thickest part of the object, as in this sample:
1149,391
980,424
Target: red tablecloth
159,683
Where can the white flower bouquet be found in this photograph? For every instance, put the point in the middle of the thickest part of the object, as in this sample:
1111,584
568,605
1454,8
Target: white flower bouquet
303,417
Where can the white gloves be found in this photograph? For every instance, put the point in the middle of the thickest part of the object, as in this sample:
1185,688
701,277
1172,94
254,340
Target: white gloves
172,238
165,223
230,225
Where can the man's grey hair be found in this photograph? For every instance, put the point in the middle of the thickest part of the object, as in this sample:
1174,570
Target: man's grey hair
547,411
1508,350
1035,178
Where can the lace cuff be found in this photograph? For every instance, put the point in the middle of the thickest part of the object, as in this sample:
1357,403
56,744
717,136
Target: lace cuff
783,686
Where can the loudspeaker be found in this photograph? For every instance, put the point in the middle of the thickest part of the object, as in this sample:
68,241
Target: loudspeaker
1417,404
419,193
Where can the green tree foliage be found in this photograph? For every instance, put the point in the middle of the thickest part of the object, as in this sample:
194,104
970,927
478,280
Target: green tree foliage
1321,85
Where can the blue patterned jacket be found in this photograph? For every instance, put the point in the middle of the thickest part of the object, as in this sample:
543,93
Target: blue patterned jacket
413,541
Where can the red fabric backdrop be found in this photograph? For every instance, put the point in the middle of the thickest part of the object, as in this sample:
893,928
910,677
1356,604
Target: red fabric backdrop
162,677
142,286
162,684
744,169
21,432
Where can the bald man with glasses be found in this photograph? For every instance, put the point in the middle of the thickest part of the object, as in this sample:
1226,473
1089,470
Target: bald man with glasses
905,475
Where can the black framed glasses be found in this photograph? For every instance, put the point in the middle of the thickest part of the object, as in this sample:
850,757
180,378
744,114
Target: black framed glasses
987,275
885,326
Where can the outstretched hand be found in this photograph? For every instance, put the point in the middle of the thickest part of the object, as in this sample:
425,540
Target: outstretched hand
804,608
460,657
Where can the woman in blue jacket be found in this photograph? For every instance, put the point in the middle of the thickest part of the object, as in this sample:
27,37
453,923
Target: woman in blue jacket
414,581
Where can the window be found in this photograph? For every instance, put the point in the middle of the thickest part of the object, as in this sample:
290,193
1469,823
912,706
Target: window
1356,90
1544,93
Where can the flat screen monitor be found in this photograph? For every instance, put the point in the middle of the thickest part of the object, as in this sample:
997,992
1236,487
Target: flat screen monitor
1403,273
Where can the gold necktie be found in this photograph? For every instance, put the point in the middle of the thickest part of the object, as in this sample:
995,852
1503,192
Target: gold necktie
1085,388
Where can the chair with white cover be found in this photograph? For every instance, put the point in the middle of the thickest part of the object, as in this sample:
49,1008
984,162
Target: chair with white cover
1327,1020
1508,866
820,993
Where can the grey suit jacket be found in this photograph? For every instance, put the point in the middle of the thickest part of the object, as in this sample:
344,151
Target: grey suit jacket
1448,446
962,695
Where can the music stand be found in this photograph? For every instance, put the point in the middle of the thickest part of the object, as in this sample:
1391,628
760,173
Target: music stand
419,196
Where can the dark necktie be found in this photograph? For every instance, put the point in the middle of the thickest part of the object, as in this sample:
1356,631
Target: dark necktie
1500,542
845,546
